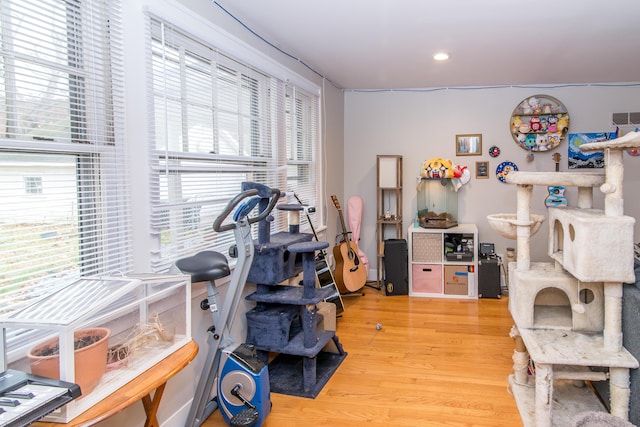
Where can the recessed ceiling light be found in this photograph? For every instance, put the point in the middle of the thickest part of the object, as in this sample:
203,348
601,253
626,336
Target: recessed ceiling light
441,56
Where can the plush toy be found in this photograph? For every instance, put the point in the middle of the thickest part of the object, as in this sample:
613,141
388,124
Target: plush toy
534,102
543,124
542,142
458,170
553,139
526,107
443,168
534,123
552,127
524,128
515,124
530,141
563,123
461,176
534,105
437,168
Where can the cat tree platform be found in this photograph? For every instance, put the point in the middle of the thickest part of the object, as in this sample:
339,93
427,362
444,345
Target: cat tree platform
561,358
574,315
568,312
569,401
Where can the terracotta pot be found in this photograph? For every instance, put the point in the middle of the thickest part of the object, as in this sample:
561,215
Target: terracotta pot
89,362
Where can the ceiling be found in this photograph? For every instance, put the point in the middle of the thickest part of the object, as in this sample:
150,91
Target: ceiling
389,44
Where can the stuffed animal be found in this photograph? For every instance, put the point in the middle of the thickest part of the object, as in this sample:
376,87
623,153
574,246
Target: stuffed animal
458,170
461,176
553,139
515,124
552,127
543,124
542,142
524,128
534,123
530,141
535,105
437,168
563,123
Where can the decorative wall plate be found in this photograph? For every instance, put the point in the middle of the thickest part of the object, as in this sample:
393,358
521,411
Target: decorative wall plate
539,123
503,169
494,151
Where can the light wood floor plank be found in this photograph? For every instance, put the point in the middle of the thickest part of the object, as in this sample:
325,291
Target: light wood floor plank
435,362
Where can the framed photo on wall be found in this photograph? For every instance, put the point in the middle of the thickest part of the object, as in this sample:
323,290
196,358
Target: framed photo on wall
482,170
469,145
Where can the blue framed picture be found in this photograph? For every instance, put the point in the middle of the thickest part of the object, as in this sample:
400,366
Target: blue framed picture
579,160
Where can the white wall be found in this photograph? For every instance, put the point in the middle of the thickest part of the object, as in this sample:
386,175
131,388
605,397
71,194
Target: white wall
420,125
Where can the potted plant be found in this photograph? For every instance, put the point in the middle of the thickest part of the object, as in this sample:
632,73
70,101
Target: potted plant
90,357
118,356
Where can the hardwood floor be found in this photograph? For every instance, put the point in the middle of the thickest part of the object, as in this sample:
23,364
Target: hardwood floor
435,362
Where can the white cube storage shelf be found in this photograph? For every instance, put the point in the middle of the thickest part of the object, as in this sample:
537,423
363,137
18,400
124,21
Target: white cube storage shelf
432,273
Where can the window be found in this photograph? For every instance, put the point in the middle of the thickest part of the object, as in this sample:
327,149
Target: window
218,121
60,139
33,184
302,139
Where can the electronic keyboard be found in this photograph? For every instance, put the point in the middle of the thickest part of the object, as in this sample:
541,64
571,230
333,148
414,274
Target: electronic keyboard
25,398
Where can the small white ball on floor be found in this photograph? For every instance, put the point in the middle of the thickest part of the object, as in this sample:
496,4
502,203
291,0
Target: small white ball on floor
379,326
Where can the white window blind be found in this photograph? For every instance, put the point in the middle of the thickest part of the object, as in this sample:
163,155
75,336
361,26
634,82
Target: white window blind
302,115
64,199
216,123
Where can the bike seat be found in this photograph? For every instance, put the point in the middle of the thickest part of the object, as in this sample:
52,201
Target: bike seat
204,266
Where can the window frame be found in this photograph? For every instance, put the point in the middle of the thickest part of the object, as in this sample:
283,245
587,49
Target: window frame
90,129
271,128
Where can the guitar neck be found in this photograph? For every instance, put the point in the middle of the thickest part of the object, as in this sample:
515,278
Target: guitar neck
345,234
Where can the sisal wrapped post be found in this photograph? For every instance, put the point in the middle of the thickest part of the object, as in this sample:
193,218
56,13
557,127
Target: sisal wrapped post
620,393
612,333
523,215
613,198
520,358
544,395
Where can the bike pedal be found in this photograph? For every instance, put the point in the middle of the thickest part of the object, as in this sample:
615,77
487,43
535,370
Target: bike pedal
245,418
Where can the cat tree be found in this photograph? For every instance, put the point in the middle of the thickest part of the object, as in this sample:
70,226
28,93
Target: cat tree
567,313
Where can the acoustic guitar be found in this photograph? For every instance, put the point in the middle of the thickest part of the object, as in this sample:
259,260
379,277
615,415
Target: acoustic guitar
350,273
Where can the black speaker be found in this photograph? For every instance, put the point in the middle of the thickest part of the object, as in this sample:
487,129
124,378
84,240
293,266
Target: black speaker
396,273
489,278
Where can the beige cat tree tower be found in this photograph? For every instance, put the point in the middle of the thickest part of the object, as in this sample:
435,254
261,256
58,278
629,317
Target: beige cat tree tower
567,313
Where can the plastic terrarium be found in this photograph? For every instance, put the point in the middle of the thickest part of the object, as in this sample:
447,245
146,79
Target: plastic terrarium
137,321
437,203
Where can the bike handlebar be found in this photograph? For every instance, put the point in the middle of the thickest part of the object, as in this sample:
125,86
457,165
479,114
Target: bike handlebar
219,227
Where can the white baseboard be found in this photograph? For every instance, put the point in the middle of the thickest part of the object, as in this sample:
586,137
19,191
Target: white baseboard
179,418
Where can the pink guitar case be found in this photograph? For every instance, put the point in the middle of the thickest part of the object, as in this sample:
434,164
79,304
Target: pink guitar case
355,206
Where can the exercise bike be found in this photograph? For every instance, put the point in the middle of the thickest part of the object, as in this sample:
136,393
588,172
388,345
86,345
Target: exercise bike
242,387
